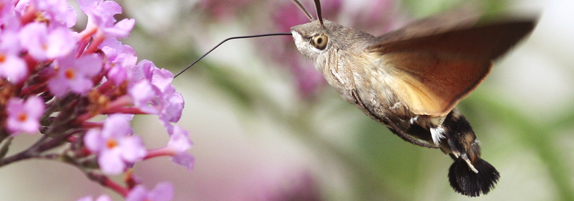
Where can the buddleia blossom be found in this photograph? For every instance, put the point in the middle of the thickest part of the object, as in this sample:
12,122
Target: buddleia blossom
161,192
100,198
12,66
24,116
56,81
115,144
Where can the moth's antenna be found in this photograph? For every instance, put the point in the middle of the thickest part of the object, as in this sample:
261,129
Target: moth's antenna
319,15
232,38
298,4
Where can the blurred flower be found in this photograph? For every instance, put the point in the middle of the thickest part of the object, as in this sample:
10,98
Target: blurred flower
101,198
43,43
162,192
184,159
55,11
223,9
24,116
177,147
100,15
304,188
12,66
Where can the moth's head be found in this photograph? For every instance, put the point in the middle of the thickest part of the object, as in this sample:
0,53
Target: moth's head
313,39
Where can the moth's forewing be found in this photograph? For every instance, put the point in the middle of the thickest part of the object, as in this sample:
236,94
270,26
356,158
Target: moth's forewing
431,74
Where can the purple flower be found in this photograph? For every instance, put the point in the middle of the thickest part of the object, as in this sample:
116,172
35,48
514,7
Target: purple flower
74,74
119,30
100,11
169,102
161,78
24,116
115,145
12,67
6,10
39,52
162,192
43,43
100,14
101,198
122,58
144,70
184,159
55,11
172,105
177,147
223,9
179,143
142,94
179,140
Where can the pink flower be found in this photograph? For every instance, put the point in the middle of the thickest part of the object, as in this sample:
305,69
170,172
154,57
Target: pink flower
122,58
115,145
167,101
43,43
24,116
180,143
142,94
177,147
74,74
101,198
184,159
55,11
179,140
162,192
6,9
100,14
12,67
222,9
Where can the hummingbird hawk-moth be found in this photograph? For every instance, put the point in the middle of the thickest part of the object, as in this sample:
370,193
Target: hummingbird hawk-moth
411,80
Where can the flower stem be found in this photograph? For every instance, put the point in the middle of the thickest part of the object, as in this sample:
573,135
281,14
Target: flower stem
107,182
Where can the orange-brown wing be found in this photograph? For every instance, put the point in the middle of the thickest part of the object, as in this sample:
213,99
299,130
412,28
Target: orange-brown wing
432,83
431,74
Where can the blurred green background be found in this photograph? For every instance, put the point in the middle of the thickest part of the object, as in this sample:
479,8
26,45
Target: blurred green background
266,130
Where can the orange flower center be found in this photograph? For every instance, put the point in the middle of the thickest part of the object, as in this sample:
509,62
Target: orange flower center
70,74
22,117
111,143
2,58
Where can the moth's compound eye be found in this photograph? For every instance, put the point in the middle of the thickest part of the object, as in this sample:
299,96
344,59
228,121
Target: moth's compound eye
319,41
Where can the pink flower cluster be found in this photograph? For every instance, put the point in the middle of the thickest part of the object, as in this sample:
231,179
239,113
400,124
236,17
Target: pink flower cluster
54,80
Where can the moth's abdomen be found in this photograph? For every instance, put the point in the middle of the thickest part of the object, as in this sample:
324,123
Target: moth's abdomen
469,174
467,182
